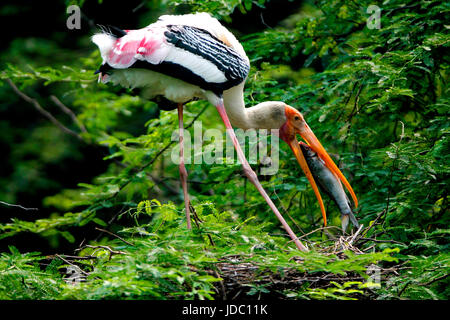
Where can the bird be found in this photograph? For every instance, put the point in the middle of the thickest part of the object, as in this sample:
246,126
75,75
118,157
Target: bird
193,56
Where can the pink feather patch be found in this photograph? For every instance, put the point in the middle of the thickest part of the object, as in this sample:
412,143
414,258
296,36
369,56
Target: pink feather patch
137,44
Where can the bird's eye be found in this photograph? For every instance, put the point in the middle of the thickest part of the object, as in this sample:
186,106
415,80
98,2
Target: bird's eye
296,118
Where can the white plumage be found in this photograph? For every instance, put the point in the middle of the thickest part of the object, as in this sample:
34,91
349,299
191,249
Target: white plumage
204,68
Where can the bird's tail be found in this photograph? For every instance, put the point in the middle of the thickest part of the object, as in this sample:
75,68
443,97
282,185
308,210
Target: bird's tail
105,42
120,49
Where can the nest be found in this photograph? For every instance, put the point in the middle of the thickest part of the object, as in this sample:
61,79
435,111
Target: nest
239,277
244,280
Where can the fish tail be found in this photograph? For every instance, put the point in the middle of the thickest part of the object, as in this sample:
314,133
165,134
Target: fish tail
353,220
345,218
344,222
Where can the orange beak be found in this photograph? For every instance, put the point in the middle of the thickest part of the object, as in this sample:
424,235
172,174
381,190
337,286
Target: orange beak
306,133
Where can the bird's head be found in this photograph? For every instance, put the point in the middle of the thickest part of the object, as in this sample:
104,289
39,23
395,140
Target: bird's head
294,125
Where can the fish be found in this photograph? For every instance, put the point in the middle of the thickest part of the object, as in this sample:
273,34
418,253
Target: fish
330,184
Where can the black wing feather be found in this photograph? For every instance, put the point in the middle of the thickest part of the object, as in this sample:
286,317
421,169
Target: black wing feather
204,44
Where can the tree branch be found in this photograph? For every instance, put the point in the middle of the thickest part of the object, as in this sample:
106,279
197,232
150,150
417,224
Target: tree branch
114,235
66,110
42,111
17,206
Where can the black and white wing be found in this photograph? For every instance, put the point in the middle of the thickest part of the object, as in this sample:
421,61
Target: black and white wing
185,52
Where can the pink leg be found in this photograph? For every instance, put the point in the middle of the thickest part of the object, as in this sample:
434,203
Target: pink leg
251,175
183,172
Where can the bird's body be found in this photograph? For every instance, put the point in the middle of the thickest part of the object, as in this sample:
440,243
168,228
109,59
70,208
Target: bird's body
193,56
178,57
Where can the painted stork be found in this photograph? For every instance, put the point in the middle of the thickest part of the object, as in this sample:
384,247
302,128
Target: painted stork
182,57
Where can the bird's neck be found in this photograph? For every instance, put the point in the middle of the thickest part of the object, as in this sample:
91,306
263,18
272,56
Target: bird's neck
261,116
233,100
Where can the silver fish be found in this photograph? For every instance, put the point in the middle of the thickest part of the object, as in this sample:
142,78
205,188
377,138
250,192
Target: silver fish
329,184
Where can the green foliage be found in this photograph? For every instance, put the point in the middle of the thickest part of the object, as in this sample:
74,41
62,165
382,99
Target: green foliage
49,226
219,8
164,260
21,277
378,98
426,277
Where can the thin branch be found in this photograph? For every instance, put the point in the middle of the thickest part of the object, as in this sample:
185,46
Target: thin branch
74,257
114,235
380,240
139,6
318,229
263,22
111,251
346,101
404,288
286,210
435,279
374,223
356,234
42,111
66,110
17,206
394,164
355,106
166,185
188,180
73,265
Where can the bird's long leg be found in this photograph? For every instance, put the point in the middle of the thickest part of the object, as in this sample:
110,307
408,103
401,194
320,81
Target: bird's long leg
183,172
251,175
